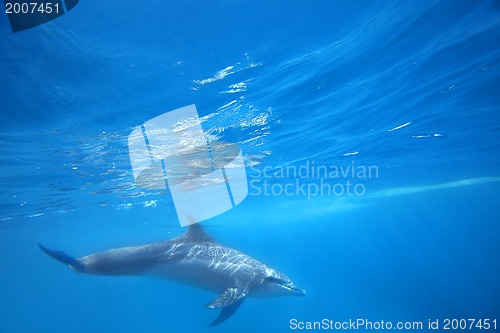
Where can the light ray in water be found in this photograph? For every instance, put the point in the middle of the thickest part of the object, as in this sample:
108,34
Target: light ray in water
418,189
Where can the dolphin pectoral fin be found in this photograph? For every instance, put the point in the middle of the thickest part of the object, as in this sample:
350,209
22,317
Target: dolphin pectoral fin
228,297
229,301
73,263
227,312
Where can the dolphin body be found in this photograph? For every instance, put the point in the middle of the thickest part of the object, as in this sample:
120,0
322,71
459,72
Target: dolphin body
195,259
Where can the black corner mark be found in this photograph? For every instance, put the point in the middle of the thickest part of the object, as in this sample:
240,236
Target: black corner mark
26,14
70,4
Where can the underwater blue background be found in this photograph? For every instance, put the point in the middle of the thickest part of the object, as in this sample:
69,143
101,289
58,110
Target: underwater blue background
412,88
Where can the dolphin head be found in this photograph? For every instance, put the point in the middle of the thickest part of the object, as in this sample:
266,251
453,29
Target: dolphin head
275,283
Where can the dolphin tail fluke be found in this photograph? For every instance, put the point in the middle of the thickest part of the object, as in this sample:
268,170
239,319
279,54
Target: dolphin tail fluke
73,263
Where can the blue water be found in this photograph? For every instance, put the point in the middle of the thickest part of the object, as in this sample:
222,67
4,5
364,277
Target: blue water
409,88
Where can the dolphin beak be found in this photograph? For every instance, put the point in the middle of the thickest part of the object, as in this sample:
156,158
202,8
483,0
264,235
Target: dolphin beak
296,291
300,292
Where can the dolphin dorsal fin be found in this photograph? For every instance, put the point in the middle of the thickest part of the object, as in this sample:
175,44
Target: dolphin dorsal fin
196,233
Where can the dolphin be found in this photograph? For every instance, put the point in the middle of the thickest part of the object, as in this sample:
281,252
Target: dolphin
194,258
